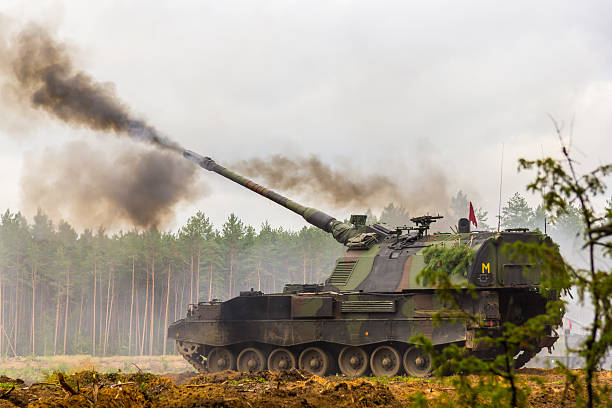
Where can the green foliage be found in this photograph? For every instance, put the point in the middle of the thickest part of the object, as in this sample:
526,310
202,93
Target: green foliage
452,260
496,384
517,213
567,203
567,194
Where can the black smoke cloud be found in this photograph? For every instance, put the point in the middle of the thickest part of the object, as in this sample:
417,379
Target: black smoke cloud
136,185
43,75
424,190
142,186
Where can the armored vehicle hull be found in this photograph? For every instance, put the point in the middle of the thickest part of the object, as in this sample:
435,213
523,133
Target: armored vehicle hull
362,318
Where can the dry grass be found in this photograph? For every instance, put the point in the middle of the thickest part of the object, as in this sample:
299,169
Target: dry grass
32,369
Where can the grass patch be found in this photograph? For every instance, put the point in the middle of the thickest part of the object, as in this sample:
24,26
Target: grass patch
247,380
400,379
37,368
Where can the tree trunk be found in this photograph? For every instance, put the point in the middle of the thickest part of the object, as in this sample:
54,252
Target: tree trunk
93,320
182,298
108,290
42,301
57,314
6,311
137,324
210,284
100,335
175,303
152,331
78,333
191,278
304,264
131,311
167,303
311,279
1,318
259,275
231,271
197,297
33,325
110,312
17,305
144,316
67,305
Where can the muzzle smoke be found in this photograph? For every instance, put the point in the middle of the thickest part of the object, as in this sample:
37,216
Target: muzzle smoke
138,186
424,190
44,76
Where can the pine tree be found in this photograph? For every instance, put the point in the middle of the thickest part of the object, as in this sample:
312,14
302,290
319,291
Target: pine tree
460,206
395,216
517,213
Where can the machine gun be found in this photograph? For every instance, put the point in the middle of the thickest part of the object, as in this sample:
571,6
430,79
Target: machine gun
422,226
423,222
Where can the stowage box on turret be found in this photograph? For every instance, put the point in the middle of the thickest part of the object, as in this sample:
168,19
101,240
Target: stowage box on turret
361,319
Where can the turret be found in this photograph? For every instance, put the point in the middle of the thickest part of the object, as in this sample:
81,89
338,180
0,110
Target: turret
341,231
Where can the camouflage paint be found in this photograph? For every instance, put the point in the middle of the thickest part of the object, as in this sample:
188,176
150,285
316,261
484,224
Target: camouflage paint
372,296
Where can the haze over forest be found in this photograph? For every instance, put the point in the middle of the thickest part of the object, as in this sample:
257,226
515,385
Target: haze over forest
347,107
400,90
67,293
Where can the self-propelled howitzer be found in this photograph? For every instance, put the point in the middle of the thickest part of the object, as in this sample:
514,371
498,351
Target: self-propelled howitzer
362,318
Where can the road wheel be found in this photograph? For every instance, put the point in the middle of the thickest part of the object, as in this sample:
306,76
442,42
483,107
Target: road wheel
417,362
220,359
353,361
186,348
314,360
385,361
281,359
251,359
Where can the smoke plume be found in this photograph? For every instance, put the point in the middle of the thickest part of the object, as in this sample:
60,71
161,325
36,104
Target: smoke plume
44,76
90,187
422,191
141,185
135,186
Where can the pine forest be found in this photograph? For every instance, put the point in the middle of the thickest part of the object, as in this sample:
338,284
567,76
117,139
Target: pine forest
63,292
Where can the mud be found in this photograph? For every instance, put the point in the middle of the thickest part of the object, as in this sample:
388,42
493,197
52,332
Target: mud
264,389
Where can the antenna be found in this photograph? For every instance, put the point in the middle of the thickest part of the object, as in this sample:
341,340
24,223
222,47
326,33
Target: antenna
501,178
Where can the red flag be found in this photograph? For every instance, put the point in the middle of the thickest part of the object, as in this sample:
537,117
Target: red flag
472,215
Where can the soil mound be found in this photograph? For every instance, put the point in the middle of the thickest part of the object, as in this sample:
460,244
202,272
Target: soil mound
231,389
226,389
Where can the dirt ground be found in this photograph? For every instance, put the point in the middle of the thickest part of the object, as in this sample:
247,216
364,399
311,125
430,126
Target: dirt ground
264,389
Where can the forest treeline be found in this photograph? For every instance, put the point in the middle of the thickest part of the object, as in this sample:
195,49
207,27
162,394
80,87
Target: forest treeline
63,292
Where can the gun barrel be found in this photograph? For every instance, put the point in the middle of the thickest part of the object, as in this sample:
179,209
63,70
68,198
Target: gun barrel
312,215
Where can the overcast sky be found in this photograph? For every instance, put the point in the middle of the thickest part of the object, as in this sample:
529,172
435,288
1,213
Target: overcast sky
389,86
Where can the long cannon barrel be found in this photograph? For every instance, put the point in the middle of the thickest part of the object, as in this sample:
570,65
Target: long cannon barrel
341,231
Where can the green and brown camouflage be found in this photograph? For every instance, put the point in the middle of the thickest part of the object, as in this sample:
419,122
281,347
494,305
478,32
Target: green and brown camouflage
364,315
